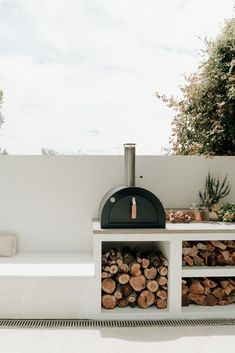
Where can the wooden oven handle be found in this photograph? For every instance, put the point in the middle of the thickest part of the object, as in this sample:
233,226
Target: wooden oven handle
133,208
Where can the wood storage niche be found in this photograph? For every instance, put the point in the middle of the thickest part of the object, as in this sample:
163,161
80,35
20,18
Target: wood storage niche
134,275
208,253
208,291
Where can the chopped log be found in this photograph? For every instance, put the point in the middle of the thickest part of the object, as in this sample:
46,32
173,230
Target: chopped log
164,261
163,270
226,255
138,283
224,283
198,261
218,292
220,260
145,263
230,244
197,298
113,255
119,262
160,303
118,292
108,285
104,260
209,283
104,275
185,251
132,297
230,288
218,244
161,293
207,290
123,278
188,260
106,268
152,285
111,262
135,269
210,247
185,289
119,254
113,269
145,299
109,301
211,300
106,254
138,256
123,268
193,251
201,246
128,257
122,303
155,261
211,260
127,289
150,273
196,287
162,281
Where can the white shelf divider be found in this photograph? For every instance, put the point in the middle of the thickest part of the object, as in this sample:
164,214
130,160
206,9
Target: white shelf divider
203,271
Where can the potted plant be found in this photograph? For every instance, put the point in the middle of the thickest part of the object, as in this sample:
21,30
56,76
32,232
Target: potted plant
214,191
226,212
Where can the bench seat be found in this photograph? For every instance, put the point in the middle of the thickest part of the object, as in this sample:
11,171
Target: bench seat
48,265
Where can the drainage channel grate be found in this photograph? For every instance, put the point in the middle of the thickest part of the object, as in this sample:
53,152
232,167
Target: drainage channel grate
40,323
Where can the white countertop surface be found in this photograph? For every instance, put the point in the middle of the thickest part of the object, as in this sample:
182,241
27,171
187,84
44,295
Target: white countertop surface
193,227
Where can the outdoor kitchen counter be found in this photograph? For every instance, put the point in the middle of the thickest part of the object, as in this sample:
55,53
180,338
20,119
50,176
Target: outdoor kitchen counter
172,228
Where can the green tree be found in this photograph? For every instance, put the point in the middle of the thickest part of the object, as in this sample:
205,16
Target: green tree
205,120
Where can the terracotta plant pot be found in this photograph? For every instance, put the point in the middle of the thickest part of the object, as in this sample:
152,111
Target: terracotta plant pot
213,216
204,214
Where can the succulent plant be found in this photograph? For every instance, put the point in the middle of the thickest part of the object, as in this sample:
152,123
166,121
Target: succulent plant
214,191
227,212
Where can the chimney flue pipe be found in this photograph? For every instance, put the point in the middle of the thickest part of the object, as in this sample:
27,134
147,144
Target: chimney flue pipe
129,164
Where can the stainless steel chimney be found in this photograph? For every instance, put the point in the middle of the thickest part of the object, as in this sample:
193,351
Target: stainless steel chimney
129,164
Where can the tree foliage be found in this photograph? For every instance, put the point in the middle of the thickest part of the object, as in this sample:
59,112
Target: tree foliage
205,120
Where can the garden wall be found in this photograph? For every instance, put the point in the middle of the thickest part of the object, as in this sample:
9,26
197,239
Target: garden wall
49,201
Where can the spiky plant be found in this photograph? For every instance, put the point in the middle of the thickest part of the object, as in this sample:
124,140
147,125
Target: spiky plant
214,191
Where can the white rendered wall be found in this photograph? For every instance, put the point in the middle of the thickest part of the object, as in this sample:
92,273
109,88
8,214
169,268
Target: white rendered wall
49,201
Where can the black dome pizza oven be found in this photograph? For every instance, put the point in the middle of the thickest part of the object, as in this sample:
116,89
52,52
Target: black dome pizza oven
130,206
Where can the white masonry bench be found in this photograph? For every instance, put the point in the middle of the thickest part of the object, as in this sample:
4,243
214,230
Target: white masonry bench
68,285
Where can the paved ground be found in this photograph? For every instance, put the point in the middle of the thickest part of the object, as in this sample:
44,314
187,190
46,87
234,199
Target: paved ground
112,340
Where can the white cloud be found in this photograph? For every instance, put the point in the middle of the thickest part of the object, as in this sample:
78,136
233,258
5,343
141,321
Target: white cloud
80,75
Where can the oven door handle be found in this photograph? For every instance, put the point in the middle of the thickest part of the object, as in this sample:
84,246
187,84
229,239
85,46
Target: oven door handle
133,208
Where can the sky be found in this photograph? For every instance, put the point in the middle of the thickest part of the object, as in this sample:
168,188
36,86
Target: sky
80,76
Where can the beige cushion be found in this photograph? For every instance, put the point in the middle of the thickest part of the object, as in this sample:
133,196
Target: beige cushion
8,245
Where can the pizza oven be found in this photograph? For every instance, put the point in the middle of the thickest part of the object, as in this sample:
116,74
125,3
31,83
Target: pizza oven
130,206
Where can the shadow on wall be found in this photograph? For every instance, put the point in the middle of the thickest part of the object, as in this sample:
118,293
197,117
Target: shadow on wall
158,334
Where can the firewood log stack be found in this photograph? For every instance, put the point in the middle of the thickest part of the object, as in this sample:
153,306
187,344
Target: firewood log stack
208,291
208,253
133,278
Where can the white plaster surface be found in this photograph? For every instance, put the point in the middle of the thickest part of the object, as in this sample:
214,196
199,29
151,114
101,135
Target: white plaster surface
49,201
204,339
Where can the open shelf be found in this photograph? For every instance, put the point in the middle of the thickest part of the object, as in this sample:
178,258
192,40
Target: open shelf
193,308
